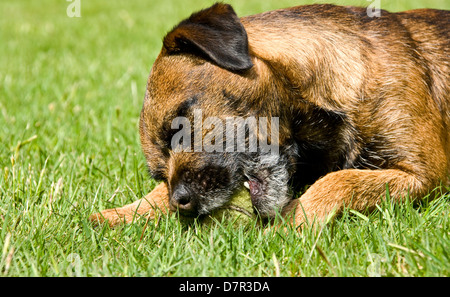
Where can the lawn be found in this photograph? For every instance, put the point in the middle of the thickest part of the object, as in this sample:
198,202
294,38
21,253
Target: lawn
71,90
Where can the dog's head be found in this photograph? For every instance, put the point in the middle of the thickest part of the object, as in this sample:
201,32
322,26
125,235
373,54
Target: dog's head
212,121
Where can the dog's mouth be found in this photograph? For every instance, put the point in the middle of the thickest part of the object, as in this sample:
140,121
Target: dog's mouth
256,189
267,181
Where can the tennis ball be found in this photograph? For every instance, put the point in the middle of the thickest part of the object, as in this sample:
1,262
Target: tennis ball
238,210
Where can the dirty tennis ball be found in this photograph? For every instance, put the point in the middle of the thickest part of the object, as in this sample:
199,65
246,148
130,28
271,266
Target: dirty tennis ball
239,210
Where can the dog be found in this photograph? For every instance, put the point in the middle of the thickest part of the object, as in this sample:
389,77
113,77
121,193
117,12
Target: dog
362,103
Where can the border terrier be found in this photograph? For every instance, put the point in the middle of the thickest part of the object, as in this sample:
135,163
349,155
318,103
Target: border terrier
362,106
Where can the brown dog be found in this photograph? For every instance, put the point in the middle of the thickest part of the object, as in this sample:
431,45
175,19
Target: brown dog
362,106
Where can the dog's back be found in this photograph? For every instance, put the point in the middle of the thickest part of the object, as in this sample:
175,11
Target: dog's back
430,29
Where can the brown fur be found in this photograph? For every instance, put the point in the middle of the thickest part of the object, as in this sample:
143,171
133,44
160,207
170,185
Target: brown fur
375,91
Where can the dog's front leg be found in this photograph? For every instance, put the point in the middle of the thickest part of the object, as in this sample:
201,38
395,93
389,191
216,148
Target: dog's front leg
355,189
156,200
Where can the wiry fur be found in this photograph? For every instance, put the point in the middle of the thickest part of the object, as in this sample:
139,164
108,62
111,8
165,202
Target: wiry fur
363,105
272,171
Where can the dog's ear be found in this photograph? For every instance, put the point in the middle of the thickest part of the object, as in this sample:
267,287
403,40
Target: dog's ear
216,34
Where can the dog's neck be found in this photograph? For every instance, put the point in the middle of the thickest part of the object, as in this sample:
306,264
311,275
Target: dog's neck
298,56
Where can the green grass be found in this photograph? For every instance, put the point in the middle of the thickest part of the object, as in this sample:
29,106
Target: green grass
71,90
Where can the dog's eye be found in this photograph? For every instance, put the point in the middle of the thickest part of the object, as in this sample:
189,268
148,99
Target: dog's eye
157,174
181,114
168,141
166,135
185,108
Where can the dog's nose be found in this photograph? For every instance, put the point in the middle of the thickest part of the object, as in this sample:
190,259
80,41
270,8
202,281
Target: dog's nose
182,200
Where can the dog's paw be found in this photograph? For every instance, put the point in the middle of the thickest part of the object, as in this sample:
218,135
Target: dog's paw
147,207
112,217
